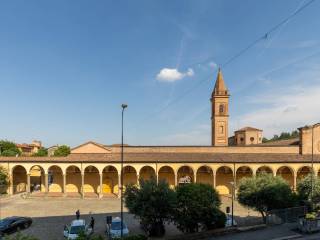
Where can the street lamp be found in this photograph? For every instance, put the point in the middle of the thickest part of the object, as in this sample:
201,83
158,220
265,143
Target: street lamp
123,106
312,173
232,197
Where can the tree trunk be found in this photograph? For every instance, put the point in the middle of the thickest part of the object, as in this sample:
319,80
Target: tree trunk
264,217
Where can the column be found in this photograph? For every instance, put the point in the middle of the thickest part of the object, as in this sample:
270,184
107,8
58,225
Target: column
157,177
46,183
64,190
138,182
101,186
10,190
254,173
214,180
82,185
28,183
175,179
119,185
195,177
234,187
294,181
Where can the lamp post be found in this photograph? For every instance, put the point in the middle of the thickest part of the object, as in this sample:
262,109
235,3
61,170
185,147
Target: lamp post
123,106
312,173
232,197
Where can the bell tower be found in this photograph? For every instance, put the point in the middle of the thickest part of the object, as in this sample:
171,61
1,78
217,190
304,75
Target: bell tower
219,112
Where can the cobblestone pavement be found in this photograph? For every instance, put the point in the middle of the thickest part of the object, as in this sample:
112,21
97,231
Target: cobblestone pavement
52,213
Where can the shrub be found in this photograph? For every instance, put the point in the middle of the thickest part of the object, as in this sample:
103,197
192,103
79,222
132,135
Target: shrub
134,237
62,151
264,193
20,236
42,152
198,205
8,149
3,180
153,203
304,189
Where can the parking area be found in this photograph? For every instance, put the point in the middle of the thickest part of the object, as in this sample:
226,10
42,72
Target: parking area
51,214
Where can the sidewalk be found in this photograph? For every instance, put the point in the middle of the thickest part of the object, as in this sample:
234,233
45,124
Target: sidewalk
269,233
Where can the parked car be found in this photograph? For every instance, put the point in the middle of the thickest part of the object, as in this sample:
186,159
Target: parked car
72,231
14,224
114,229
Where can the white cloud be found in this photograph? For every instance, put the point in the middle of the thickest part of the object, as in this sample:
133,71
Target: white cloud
213,65
284,111
173,74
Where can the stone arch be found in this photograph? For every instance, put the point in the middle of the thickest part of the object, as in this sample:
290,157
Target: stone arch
184,173
73,179
110,180
287,174
129,175
55,179
243,172
205,175
167,174
224,178
37,179
147,172
19,179
264,169
91,180
303,172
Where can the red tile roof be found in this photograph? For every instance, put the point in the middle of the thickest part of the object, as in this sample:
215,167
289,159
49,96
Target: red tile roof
172,158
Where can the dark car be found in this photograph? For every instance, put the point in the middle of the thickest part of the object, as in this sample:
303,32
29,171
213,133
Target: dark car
14,224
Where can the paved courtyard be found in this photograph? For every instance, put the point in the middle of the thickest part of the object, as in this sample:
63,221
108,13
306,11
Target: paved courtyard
52,213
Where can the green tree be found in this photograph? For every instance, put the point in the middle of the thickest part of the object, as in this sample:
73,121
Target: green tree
42,152
275,137
264,140
153,203
3,180
198,204
264,193
285,135
294,134
304,189
8,149
62,151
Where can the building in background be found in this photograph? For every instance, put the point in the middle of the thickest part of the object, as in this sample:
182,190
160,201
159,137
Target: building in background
52,149
246,136
94,169
29,149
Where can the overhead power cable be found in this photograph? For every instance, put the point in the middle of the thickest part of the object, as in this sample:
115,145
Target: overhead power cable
267,34
234,57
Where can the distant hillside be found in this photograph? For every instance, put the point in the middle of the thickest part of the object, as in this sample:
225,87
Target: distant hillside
282,136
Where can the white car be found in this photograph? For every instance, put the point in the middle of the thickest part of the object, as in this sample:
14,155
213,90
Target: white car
72,231
114,229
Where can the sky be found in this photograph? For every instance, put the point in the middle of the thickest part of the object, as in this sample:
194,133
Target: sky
67,66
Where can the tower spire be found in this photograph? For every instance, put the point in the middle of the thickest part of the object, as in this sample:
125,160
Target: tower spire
220,112
220,87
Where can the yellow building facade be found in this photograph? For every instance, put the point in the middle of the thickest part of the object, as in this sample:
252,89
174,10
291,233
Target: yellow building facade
94,169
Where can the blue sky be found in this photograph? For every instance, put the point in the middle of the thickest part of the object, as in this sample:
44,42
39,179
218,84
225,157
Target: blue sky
66,67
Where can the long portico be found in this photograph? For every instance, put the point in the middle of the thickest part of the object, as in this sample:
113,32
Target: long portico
104,178
95,170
